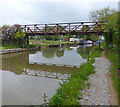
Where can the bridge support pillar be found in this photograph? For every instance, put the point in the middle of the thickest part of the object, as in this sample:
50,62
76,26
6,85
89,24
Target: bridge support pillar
27,41
99,45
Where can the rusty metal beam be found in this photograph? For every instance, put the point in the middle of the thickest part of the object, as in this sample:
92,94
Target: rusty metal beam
65,28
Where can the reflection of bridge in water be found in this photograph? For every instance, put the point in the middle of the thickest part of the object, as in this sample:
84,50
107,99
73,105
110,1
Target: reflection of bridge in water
49,71
19,64
53,75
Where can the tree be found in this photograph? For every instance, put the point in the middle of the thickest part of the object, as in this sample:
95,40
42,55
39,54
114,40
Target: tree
94,37
111,18
13,35
5,26
19,36
102,14
112,29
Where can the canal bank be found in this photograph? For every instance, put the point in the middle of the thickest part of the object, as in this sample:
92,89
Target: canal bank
8,51
70,92
33,47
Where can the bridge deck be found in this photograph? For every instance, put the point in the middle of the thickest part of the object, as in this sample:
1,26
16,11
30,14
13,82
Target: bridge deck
65,28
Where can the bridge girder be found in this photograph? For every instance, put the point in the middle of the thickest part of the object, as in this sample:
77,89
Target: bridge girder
75,28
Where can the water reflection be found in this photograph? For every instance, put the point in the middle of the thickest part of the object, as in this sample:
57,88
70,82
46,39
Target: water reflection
57,56
19,64
28,75
26,90
57,60
51,52
84,51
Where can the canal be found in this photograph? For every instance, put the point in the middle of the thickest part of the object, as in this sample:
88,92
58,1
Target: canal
27,76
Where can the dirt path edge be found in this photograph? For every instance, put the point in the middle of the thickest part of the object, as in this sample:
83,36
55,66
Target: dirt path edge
114,96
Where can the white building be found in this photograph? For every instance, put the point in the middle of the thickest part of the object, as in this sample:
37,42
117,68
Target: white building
74,40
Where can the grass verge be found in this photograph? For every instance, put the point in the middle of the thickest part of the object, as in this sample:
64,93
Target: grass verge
113,57
9,46
48,42
70,92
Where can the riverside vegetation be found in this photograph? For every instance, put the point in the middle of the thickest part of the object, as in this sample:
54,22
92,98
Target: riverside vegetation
112,56
70,91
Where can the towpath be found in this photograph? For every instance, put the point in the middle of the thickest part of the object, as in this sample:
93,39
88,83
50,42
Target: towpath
101,91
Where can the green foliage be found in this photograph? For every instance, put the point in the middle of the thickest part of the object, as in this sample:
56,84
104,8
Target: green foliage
5,26
31,37
84,51
96,53
102,14
68,36
33,45
112,27
12,46
69,92
112,42
85,36
94,37
19,35
13,35
112,56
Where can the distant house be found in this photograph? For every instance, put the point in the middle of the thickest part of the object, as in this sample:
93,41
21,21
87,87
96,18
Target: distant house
81,40
71,39
89,41
66,39
74,40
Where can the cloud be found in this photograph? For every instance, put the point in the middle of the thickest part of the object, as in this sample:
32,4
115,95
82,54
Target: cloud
70,1
39,11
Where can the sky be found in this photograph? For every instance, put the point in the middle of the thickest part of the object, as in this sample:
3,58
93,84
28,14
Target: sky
49,11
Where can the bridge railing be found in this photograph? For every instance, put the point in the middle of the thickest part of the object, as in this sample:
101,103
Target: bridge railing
65,28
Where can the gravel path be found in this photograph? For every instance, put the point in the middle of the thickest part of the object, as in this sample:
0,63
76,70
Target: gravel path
98,93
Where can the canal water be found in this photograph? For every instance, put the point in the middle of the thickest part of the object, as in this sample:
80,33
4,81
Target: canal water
27,76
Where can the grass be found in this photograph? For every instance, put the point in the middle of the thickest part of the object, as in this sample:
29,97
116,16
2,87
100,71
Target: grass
34,44
95,53
9,46
48,42
70,92
1,47
56,42
112,56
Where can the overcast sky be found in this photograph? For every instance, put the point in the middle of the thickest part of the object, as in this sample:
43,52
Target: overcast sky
49,11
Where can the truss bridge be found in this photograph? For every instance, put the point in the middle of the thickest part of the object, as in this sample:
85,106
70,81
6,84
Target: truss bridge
65,28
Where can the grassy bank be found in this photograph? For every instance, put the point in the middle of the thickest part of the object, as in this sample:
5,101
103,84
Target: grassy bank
16,46
9,46
48,42
36,43
70,92
113,57
56,42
